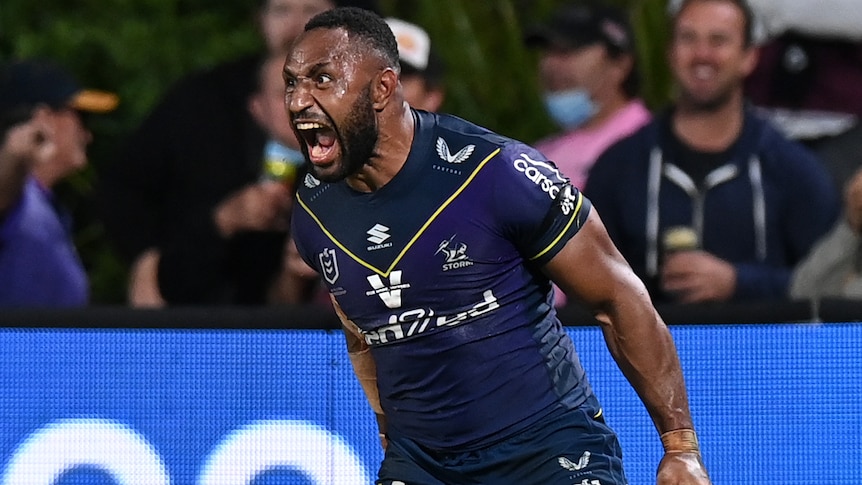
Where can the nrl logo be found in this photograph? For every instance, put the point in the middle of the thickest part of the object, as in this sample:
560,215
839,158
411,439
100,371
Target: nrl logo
328,265
461,156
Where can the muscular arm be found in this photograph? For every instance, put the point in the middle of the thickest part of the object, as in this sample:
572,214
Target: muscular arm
363,366
591,269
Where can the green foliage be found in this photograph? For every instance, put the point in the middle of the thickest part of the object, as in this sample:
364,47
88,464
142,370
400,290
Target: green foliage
137,48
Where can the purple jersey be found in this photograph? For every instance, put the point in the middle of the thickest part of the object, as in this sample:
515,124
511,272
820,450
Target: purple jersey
440,270
39,266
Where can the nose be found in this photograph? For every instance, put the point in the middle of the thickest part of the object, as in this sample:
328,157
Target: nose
298,97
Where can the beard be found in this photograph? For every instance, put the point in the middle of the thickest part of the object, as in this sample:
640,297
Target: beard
358,138
693,103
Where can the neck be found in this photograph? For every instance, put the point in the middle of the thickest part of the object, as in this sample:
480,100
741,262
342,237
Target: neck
710,130
46,177
607,109
390,154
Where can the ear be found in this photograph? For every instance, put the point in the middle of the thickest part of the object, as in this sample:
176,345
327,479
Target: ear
623,65
255,107
749,62
433,100
385,86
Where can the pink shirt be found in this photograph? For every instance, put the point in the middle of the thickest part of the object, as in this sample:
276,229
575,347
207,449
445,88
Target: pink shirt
576,151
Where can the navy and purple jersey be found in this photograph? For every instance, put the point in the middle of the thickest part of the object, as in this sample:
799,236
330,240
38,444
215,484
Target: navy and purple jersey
440,270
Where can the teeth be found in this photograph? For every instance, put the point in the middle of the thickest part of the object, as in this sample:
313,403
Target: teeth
308,126
704,72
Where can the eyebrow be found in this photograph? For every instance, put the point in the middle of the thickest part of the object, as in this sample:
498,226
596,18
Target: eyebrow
312,70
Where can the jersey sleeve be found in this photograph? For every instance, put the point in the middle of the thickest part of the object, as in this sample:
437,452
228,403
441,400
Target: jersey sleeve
538,207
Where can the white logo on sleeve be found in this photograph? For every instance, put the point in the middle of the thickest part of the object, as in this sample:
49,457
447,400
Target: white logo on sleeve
543,174
569,200
391,293
568,464
461,156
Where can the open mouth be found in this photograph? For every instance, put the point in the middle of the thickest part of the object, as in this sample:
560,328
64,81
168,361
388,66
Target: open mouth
320,141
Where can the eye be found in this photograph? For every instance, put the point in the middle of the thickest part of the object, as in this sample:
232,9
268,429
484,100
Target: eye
289,85
322,79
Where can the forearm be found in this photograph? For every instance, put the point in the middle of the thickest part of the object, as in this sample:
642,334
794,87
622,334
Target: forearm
12,178
361,359
644,350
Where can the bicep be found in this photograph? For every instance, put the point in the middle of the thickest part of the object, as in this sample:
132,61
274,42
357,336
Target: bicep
590,269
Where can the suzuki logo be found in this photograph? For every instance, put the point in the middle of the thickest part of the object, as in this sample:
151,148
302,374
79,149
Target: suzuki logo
390,294
378,234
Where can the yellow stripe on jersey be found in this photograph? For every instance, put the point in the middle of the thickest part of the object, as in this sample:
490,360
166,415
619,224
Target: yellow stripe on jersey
565,229
410,243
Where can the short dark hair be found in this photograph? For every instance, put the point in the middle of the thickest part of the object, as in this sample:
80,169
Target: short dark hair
363,25
366,4
742,5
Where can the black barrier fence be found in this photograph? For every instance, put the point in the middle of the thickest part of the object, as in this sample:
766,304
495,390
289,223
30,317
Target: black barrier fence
322,317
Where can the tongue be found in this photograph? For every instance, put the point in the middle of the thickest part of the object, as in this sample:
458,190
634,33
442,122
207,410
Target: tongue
326,140
323,145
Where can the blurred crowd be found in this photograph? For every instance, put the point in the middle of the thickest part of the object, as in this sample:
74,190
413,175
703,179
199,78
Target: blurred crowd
747,186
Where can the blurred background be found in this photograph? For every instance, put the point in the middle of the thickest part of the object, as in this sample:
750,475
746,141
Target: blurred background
137,48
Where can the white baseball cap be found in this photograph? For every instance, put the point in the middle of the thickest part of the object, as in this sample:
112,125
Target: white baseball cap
414,45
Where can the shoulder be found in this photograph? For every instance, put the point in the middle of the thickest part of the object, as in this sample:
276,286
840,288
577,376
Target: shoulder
774,147
460,142
633,148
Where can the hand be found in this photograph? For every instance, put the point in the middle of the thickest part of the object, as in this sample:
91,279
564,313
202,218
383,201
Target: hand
853,202
23,147
682,469
27,143
381,424
697,276
143,289
262,206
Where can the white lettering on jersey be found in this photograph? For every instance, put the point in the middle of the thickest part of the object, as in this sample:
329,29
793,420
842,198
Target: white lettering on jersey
533,170
414,322
567,205
391,293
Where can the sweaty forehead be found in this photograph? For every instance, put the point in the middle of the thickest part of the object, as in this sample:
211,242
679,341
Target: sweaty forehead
321,46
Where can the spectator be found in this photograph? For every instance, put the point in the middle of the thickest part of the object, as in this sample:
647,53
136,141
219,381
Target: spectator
834,266
184,202
808,77
284,164
754,201
42,140
421,69
588,71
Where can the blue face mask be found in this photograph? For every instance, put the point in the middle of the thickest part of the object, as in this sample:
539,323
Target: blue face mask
570,109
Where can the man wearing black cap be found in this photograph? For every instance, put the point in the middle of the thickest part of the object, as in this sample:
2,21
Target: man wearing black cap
588,72
183,202
43,141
